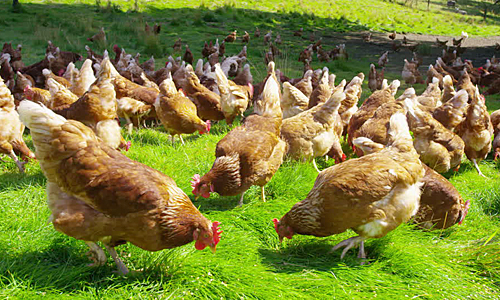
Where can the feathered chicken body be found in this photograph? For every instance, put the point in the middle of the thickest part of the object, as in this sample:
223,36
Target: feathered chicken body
234,98
249,154
294,101
97,194
11,129
371,195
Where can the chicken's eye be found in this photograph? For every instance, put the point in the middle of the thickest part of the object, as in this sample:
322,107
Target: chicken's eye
205,236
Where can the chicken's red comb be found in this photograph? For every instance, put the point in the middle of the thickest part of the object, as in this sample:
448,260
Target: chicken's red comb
195,181
344,157
276,223
216,233
127,146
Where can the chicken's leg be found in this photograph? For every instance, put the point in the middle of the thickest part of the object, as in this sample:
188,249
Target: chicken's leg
477,167
348,244
241,199
263,194
130,125
20,164
96,254
182,141
122,269
315,166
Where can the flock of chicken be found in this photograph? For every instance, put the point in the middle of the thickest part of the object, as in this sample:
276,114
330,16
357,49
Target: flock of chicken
96,193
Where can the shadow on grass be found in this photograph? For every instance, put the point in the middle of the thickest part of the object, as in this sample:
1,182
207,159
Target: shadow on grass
20,181
62,267
296,258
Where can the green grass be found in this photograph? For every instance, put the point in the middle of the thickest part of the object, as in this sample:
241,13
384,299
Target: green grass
38,262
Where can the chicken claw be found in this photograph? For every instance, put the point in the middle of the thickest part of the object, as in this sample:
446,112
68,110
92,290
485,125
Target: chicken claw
477,168
349,243
96,254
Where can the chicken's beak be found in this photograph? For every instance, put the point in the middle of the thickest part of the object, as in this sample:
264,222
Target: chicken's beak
213,248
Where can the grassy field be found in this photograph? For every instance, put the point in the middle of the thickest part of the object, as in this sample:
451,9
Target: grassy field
38,262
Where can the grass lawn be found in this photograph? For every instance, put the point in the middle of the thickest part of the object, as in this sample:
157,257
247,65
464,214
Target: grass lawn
38,262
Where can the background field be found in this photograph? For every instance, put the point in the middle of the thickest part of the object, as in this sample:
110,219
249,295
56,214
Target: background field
36,261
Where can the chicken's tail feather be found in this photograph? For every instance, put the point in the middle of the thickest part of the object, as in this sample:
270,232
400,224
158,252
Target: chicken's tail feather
399,133
46,126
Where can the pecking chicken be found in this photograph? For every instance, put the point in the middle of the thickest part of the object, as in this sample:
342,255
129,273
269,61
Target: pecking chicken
312,133
97,194
129,109
371,195
249,154
441,205
100,36
177,113
11,129
410,73
476,130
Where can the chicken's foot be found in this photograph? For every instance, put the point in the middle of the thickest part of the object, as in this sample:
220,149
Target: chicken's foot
477,167
122,269
20,164
96,254
349,243
315,166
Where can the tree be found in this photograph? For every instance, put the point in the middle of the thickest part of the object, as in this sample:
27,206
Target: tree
487,7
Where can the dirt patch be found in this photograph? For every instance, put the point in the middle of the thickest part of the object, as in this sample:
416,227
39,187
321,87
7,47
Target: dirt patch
478,49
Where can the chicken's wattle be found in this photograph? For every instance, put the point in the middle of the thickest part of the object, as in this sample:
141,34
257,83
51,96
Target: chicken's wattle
199,245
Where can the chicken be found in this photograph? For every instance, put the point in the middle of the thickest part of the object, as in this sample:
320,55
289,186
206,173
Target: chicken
433,73
37,95
294,101
234,98
410,73
244,77
305,84
257,32
97,108
476,130
127,88
99,37
177,113
495,120
129,108
369,107
84,79
61,96
448,89
322,92
207,102
230,37
11,129
177,45
61,80
439,148
249,154
384,58
298,32
431,97
97,194
188,55
267,37
245,38
375,78
452,112
22,81
371,195
349,105
312,133
441,205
